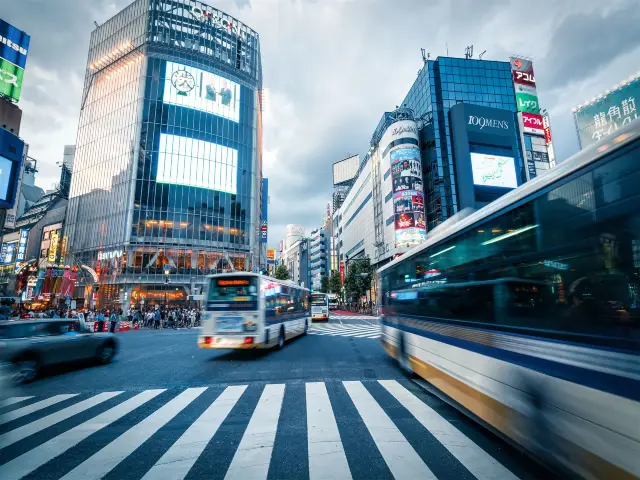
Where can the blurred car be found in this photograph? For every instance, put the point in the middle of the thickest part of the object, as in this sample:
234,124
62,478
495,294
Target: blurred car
27,346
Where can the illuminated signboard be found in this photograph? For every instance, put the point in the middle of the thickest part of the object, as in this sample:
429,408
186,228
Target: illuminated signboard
532,123
263,232
271,254
192,87
527,103
196,163
408,196
524,83
14,46
53,247
493,170
232,283
607,113
8,250
22,245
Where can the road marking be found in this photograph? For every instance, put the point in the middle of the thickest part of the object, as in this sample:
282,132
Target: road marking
476,460
179,459
327,460
401,458
252,458
105,460
12,400
34,407
45,422
33,459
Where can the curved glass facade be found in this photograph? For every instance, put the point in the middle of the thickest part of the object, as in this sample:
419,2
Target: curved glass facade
167,173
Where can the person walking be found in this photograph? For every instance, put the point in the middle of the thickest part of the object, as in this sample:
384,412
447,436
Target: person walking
156,323
113,320
100,318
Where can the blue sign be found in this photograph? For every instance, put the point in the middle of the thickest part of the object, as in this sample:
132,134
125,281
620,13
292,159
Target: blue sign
264,211
14,44
11,152
7,252
22,245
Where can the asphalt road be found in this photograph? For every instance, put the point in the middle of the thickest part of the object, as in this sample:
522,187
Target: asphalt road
330,405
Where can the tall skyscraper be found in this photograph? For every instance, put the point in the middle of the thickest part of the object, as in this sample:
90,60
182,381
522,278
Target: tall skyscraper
167,168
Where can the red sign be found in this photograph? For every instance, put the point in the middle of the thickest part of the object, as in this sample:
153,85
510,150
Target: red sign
341,272
524,78
532,123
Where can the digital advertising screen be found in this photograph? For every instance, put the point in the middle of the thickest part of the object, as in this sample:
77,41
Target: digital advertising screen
196,163
493,170
192,87
5,177
408,196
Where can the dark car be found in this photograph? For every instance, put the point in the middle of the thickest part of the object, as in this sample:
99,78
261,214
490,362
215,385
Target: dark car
29,345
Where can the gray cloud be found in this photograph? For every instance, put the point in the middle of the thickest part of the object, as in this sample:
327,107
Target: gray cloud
333,67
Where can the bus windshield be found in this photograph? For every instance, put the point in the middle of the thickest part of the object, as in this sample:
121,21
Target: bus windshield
233,292
318,299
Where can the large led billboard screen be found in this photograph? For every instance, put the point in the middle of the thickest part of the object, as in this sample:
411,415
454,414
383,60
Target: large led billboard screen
14,46
192,87
493,170
196,163
408,196
608,113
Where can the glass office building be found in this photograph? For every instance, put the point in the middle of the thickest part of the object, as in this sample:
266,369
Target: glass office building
442,83
167,173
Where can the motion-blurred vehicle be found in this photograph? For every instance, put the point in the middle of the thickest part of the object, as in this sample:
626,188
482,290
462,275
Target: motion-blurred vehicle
27,346
525,313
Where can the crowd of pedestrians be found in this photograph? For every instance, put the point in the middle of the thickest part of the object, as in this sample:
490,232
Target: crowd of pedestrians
173,317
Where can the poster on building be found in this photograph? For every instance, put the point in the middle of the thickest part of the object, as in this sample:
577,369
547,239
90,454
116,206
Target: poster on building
607,113
271,254
408,196
22,245
53,247
13,59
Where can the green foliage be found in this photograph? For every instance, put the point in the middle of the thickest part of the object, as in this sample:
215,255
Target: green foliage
324,284
358,279
281,272
335,285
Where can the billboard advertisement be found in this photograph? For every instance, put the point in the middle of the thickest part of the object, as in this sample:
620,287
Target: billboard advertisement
532,123
192,87
493,170
197,163
271,254
22,245
522,70
14,46
607,113
527,103
408,196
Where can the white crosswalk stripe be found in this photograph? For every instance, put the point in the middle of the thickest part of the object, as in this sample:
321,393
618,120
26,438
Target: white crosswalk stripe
346,330
10,401
354,317
323,439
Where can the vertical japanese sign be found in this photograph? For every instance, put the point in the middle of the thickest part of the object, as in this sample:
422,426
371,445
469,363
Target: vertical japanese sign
14,46
53,247
342,272
22,245
607,113
524,82
547,137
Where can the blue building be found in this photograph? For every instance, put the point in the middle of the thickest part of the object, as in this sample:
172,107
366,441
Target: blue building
167,172
440,85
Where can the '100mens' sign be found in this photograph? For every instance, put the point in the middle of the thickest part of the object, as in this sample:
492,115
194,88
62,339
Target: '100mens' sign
483,122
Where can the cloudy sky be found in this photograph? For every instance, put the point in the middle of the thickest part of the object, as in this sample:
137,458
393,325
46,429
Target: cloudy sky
332,67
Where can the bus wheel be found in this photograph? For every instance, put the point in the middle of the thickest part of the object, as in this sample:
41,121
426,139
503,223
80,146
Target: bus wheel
281,339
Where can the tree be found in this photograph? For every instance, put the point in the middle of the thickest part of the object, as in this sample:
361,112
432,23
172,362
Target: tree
335,284
324,284
358,280
281,272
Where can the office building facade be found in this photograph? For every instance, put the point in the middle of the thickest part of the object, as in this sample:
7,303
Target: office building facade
167,167
441,84
319,257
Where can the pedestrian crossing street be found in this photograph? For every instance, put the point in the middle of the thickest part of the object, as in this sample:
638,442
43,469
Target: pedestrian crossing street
318,430
345,330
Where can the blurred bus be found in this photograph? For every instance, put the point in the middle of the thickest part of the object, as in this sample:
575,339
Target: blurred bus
525,313
248,310
319,306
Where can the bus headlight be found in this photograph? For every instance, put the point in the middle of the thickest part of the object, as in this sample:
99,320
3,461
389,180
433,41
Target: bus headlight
250,326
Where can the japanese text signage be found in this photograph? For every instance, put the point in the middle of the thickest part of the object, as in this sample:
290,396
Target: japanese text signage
22,245
408,196
263,231
524,83
532,123
53,247
606,115
14,46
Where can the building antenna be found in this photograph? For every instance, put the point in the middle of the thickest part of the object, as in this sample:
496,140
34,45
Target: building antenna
424,57
468,52
480,56
96,24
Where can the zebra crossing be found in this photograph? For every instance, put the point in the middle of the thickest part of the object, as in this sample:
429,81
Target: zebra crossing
344,430
345,330
364,318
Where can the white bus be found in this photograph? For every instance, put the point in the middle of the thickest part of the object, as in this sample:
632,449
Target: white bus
247,310
319,306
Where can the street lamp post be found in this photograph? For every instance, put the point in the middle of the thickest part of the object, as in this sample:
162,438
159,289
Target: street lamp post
166,283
